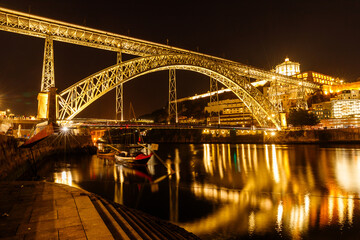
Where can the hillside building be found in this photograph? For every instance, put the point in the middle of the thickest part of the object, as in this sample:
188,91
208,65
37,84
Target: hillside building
232,112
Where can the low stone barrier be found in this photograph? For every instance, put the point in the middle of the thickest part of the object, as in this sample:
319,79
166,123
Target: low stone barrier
14,160
341,135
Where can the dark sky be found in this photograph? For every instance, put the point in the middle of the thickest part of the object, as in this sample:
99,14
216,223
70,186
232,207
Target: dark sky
324,36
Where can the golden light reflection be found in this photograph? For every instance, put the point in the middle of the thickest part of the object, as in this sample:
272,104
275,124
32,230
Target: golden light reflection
221,159
207,159
64,177
350,209
284,195
330,209
279,216
244,158
251,223
275,165
238,158
267,157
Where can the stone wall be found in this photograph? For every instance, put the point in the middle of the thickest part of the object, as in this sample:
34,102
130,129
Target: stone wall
14,160
343,135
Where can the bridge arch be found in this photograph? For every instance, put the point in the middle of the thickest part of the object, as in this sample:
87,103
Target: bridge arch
80,95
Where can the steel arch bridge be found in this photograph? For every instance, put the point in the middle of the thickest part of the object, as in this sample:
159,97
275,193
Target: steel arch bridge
77,97
153,57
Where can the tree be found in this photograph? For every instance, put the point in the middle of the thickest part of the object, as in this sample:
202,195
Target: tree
302,118
318,97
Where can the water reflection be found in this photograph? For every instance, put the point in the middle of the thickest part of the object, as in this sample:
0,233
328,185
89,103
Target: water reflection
63,177
228,191
281,188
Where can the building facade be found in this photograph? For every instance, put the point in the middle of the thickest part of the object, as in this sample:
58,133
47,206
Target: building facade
322,110
319,78
229,112
288,68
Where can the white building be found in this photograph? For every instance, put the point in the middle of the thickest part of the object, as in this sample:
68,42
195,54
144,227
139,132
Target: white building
349,94
345,108
288,68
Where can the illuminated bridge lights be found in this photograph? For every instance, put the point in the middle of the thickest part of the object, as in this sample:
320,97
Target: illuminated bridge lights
155,57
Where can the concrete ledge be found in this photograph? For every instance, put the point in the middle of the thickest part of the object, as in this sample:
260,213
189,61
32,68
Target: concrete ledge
43,210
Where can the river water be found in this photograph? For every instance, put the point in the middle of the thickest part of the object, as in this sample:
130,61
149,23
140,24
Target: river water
233,191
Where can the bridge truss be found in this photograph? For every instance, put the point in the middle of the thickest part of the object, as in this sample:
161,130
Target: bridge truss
52,30
78,96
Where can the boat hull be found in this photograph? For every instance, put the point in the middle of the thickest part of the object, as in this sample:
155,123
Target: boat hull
140,159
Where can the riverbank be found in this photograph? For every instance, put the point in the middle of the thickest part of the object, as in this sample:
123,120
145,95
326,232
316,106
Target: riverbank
15,161
43,210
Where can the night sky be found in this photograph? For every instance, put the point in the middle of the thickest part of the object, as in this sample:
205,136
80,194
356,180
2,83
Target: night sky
323,36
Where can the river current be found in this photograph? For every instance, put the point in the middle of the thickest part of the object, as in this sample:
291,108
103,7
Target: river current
233,191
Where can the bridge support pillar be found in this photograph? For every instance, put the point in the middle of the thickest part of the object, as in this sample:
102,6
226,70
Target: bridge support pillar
214,98
48,105
119,94
283,122
48,72
274,95
172,96
300,97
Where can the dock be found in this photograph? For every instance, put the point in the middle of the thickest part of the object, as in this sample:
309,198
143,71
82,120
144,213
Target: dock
45,210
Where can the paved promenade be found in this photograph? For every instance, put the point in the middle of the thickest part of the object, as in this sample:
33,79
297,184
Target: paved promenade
42,210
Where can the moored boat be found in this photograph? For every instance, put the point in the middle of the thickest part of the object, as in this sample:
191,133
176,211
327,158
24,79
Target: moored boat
136,158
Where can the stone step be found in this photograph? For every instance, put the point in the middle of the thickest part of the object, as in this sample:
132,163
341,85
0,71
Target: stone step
126,223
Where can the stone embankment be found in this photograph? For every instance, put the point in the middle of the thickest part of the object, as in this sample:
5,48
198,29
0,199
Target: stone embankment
14,160
341,135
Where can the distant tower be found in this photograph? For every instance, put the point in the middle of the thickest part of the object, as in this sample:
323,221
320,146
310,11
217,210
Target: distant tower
288,68
276,90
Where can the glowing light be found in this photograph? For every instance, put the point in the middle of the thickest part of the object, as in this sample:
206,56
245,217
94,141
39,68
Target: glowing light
64,177
307,205
331,208
259,83
64,129
275,165
279,217
251,223
341,209
350,209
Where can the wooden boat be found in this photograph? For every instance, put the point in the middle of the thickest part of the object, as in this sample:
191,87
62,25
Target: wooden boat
105,154
136,158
